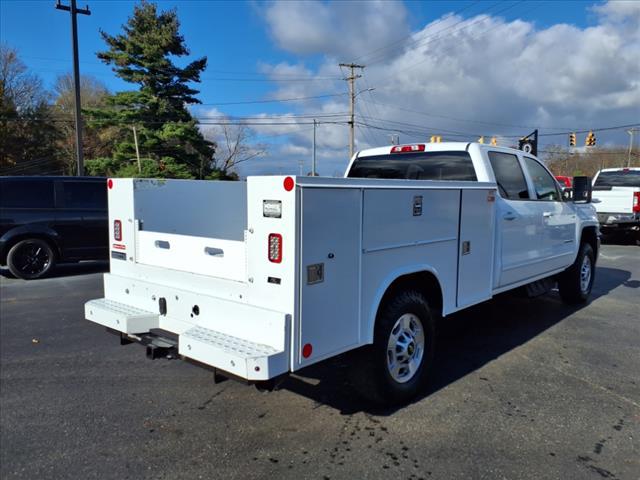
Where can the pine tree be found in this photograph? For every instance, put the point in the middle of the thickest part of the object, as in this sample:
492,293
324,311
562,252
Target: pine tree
169,139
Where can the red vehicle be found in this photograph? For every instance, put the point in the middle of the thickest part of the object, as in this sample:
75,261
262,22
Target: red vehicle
564,181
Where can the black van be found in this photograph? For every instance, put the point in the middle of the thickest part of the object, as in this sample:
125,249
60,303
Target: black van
46,220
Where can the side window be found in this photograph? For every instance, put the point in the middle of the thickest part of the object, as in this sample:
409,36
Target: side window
85,195
509,176
18,193
544,183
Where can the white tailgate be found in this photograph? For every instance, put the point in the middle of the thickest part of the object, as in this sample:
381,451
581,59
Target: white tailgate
616,200
207,256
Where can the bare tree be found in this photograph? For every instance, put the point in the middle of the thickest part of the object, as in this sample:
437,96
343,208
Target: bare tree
18,88
27,130
233,147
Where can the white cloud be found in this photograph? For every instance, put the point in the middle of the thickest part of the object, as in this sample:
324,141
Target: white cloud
502,77
335,28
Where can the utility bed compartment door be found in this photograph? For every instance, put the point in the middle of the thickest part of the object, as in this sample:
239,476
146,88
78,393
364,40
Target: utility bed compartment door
476,246
329,272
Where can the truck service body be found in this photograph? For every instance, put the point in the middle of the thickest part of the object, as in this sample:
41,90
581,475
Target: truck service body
261,278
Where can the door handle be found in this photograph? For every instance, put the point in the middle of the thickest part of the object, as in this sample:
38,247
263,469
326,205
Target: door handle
547,214
509,216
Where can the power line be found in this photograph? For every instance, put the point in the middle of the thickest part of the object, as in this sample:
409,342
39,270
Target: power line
293,99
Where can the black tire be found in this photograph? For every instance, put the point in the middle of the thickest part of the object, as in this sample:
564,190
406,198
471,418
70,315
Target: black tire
572,285
31,258
372,374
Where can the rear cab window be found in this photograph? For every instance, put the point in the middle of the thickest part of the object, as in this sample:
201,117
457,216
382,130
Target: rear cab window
443,165
618,178
26,193
509,176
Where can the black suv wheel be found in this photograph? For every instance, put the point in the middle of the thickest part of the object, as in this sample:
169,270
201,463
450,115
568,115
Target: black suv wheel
31,258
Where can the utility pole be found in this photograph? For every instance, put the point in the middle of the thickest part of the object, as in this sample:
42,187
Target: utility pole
74,11
135,140
630,132
313,159
352,94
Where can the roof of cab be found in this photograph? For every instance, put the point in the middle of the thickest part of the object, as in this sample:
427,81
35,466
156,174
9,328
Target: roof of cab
433,147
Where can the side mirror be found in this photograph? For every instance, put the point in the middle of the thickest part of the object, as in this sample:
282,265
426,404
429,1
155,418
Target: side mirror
581,190
567,194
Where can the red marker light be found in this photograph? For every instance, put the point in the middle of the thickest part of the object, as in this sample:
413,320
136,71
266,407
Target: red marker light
306,350
117,230
288,184
275,248
110,184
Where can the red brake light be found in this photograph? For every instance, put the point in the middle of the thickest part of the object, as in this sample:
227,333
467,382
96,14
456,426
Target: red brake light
419,147
110,184
275,248
117,230
636,202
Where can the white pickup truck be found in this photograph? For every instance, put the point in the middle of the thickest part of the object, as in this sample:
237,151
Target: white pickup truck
617,191
265,277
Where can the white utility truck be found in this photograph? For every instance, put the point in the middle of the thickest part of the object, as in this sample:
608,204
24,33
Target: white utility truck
265,277
617,191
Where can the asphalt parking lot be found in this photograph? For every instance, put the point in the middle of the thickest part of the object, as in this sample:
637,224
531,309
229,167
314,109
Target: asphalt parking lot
523,389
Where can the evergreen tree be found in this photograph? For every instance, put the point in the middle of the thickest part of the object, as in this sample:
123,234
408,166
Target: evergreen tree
168,137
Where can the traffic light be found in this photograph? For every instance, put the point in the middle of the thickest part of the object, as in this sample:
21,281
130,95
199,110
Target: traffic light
590,140
481,139
436,139
494,141
572,139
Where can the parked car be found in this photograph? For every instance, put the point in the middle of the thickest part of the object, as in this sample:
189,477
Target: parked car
46,220
564,181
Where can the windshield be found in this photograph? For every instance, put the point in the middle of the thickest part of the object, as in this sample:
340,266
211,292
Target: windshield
618,178
416,166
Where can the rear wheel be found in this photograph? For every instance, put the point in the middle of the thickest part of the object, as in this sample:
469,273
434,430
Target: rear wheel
576,282
31,258
394,369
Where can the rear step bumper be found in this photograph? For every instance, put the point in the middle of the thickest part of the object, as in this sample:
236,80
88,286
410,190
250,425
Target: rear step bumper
239,356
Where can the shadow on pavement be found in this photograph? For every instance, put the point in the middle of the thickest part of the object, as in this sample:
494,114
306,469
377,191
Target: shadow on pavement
621,238
466,341
68,270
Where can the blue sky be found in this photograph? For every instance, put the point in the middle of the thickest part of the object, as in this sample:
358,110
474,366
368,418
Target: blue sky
233,35
259,51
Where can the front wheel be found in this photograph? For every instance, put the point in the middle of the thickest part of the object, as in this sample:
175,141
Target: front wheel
31,258
575,283
394,369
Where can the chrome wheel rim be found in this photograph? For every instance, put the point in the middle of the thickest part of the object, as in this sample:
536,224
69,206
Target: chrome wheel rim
585,274
405,348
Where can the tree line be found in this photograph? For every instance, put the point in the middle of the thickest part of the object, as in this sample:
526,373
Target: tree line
37,130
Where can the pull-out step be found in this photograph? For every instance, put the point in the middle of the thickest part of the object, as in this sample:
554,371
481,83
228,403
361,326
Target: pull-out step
119,316
241,357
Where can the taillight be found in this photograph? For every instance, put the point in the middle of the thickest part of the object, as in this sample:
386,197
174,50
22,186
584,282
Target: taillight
636,202
117,230
419,147
275,247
